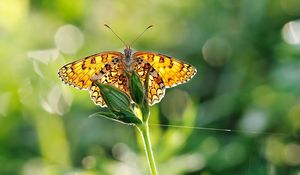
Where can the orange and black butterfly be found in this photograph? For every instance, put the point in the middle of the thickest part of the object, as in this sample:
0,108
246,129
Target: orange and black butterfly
110,67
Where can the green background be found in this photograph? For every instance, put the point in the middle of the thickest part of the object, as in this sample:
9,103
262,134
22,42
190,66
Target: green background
247,54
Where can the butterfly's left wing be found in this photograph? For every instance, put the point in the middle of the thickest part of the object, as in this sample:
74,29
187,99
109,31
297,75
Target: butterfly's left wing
112,74
156,87
172,71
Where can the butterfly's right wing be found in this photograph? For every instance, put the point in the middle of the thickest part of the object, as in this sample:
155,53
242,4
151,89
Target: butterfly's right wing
156,87
80,72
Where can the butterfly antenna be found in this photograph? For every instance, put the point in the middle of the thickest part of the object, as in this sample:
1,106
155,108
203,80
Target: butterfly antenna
140,35
115,34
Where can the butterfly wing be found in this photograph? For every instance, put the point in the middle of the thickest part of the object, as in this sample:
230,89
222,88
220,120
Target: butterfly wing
172,71
80,72
113,74
156,87
106,67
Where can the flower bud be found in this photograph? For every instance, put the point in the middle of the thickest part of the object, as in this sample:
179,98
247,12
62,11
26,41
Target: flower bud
118,102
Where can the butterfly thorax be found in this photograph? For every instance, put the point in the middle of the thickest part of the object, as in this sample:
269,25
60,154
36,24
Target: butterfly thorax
128,58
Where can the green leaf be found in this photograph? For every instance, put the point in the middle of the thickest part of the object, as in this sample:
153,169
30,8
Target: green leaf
109,115
124,117
128,117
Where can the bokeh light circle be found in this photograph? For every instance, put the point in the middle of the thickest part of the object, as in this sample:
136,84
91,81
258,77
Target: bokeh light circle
216,51
68,39
291,32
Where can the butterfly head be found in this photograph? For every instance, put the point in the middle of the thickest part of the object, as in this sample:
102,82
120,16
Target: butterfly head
127,52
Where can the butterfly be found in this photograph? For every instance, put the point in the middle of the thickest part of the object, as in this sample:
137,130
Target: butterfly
111,67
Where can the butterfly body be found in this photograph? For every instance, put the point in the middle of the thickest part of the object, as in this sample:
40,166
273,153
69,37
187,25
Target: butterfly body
112,67
128,58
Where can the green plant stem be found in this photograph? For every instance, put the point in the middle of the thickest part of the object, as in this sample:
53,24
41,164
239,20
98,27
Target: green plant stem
144,131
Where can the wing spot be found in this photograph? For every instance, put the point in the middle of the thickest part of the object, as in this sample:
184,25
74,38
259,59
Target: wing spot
115,60
139,60
147,65
161,60
93,60
104,57
171,64
107,67
150,57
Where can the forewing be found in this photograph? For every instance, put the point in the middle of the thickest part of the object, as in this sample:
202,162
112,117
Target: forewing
80,72
172,71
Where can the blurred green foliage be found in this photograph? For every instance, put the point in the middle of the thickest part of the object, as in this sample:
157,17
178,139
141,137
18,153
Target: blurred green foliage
247,53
